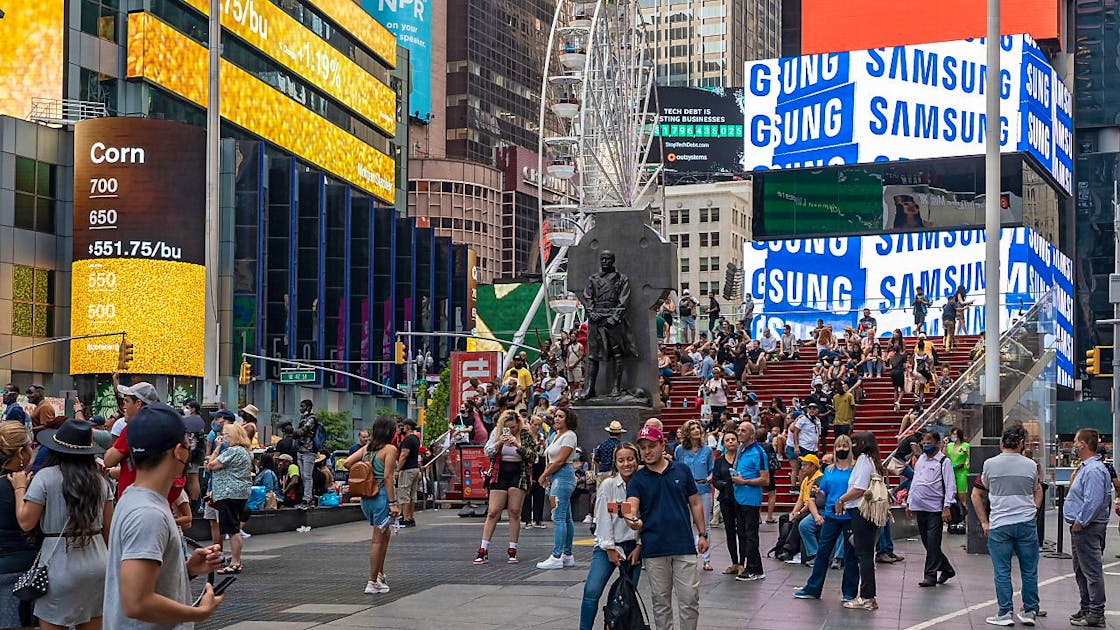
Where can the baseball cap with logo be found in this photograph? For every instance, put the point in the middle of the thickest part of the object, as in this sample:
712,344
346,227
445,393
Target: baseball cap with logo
156,428
652,434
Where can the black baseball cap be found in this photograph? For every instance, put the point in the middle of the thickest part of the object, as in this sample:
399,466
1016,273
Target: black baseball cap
156,428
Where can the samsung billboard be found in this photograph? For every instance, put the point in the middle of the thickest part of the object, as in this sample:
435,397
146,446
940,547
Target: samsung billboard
410,21
798,281
904,103
700,129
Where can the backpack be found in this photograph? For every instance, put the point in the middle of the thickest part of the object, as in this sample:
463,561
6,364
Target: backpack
362,482
624,609
772,463
320,437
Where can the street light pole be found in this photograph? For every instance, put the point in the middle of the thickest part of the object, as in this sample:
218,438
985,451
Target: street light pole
1114,297
993,411
211,393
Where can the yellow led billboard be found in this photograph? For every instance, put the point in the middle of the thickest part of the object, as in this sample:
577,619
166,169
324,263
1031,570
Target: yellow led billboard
269,29
162,55
353,19
139,216
31,54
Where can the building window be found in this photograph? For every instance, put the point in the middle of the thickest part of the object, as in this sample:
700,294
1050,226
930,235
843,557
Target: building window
35,195
703,288
684,287
685,265
685,241
703,263
686,215
715,287
675,240
703,239
715,239
32,302
703,215
715,263
713,215
673,217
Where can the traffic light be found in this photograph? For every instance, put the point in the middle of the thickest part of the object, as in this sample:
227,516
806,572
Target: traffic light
124,355
1096,359
398,355
246,375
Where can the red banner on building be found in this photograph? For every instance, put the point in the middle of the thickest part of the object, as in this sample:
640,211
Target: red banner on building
486,366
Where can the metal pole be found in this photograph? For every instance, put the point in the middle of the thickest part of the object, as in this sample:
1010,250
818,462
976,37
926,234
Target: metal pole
60,340
211,352
308,366
993,413
1116,317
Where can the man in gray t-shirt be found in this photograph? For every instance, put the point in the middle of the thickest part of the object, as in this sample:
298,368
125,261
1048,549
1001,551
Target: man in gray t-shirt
146,580
1011,482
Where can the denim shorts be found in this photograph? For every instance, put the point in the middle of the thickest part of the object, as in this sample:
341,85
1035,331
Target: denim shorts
376,509
688,322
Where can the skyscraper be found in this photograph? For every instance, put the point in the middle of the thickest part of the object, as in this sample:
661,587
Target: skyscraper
495,64
704,43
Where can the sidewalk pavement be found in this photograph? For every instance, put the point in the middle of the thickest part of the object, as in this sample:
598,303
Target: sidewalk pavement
300,581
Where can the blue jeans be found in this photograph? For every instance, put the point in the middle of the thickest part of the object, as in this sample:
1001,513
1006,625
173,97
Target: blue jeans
562,484
706,501
1022,540
810,538
885,544
833,530
597,577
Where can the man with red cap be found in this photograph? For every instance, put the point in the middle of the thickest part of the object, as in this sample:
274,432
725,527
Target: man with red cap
664,499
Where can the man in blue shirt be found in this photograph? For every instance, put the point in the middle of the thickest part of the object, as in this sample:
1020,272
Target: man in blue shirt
12,409
708,363
750,475
662,495
1087,509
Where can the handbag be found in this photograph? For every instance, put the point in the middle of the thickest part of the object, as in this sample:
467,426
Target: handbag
34,583
875,504
270,502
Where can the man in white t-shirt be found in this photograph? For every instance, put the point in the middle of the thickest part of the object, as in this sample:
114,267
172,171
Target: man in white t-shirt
554,387
805,433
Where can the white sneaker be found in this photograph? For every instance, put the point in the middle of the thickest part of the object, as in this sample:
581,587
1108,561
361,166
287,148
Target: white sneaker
383,580
551,563
794,560
569,560
375,587
1026,617
1001,620
588,520
245,534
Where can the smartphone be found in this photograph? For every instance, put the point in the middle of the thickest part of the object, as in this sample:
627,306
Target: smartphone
219,588
620,508
505,430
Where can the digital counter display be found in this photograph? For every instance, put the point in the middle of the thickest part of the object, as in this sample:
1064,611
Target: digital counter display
139,247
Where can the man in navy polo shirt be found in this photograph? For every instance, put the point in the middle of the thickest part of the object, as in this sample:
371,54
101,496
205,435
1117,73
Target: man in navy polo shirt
750,475
663,496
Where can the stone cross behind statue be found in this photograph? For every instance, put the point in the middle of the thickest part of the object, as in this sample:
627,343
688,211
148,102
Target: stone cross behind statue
642,273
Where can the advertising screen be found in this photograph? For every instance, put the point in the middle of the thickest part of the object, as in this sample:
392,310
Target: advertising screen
831,26
798,281
905,103
32,34
410,21
162,55
701,129
139,216
891,196
268,28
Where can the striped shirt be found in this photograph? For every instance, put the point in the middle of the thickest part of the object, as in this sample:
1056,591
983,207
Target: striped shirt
1010,480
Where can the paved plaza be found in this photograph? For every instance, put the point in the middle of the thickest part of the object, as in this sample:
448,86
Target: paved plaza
297,581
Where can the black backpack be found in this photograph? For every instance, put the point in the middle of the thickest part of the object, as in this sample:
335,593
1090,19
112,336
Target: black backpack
624,609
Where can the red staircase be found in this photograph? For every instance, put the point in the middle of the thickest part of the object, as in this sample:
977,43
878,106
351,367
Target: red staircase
791,379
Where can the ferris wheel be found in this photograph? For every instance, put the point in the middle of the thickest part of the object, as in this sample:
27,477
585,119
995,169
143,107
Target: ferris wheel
596,129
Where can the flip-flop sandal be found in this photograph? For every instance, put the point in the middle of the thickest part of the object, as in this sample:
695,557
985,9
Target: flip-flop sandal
233,569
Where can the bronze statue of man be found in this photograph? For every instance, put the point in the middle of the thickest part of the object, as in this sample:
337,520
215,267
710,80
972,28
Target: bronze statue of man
609,336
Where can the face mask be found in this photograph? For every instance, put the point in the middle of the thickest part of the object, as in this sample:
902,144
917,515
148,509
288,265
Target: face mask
215,427
842,454
953,439
929,449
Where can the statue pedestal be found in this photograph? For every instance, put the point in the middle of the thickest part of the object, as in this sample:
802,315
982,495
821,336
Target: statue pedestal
593,421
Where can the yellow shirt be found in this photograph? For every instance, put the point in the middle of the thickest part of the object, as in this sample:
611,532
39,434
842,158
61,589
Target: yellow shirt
845,406
524,377
806,486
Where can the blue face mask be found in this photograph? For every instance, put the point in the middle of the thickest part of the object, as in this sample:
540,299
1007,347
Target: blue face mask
929,449
215,427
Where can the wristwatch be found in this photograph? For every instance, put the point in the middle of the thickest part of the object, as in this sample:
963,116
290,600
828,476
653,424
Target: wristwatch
703,534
